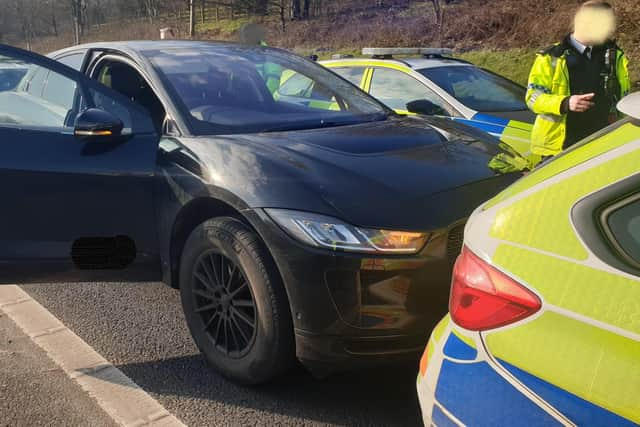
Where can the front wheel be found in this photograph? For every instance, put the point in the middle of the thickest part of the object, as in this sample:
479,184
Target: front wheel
234,302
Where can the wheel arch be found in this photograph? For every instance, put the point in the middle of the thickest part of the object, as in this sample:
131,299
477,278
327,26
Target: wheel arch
188,218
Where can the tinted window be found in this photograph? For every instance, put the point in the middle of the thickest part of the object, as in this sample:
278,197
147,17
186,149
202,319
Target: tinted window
74,60
244,90
396,89
478,89
59,90
353,74
49,100
30,104
36,80
296,85
10,76
624,225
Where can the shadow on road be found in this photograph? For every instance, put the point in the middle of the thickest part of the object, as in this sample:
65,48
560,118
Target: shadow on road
383,396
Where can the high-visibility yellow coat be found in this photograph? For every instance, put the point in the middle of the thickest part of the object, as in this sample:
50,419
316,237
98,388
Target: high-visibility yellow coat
548,87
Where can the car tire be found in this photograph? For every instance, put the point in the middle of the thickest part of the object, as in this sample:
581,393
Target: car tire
244,354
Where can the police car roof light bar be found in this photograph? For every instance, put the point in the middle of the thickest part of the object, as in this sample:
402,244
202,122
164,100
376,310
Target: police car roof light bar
388,52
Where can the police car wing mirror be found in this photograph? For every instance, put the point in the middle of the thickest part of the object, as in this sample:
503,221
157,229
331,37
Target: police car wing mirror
630,106
426,107
95,123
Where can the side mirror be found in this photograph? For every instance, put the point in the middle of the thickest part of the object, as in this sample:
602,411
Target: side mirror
95,123
426,107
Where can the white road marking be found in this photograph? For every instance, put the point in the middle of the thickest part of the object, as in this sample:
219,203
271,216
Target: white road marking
122,399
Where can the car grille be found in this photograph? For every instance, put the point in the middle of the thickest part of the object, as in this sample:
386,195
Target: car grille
455,240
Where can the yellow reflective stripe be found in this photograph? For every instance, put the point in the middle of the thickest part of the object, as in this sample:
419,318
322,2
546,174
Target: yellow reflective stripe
621,136
440,328
550,208
606,297
366,86
368,63
594,364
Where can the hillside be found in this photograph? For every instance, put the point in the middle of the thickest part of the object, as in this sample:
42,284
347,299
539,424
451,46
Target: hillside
502,35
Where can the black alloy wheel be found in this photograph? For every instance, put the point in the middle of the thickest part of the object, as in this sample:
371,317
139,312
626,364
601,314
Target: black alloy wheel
224,300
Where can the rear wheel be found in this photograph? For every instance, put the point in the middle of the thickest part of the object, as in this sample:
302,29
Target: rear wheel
234,302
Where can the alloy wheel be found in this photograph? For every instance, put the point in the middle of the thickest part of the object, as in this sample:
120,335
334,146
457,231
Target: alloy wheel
225,303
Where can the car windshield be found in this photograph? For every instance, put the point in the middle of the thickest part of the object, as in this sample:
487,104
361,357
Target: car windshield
478,89
228,89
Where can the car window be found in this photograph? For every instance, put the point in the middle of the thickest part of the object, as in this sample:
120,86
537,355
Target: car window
127,81
73,60
11,75
31,104
294,84
35,80
478,89
48,100
353,74
240,90
623,224
59,90
298,89
396,89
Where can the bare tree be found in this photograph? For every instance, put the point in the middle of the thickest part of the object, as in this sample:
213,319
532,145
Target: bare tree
192,18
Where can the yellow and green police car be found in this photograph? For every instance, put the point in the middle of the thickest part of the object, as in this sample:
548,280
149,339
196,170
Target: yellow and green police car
544,314
443,86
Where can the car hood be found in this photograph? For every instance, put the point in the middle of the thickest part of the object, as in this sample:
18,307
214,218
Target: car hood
399,173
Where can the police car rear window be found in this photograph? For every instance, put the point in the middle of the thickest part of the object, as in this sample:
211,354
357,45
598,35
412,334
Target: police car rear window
623,226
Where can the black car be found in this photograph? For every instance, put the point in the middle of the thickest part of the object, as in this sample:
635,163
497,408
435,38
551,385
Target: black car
321,226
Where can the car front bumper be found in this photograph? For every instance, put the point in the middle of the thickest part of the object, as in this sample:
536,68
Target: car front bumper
353,310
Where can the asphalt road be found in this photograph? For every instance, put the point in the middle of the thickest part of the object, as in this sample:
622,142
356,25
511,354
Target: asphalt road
140,329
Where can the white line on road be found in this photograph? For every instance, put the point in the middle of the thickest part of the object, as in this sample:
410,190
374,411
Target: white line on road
122,399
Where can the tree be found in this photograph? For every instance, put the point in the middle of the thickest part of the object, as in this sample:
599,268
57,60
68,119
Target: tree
78,14
192,18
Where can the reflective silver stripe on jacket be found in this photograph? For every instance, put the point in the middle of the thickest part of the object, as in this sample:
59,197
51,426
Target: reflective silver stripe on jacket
550,118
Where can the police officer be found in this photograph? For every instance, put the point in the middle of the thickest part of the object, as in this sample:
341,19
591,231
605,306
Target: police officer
251,34
574,85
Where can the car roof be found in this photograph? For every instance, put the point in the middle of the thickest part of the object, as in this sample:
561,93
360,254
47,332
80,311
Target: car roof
140,46
411,62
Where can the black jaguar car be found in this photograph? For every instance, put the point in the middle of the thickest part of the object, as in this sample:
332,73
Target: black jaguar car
321,225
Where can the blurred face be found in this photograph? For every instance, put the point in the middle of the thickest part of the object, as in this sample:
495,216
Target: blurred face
594,26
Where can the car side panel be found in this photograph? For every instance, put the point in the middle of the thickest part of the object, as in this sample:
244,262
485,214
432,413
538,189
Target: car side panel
584,345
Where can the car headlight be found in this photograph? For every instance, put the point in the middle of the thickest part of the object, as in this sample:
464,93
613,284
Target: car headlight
327,232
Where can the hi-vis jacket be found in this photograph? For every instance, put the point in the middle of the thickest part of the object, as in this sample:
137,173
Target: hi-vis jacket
548,87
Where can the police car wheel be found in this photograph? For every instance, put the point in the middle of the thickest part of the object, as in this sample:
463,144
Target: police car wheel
234,302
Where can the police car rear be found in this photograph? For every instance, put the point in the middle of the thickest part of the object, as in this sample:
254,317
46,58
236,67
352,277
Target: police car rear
543,324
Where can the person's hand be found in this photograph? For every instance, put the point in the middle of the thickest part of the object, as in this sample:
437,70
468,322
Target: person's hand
581,103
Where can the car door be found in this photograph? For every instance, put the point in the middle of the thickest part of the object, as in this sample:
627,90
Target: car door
76,204
396,89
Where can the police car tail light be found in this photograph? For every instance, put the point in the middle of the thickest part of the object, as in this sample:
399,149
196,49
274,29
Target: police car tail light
484,298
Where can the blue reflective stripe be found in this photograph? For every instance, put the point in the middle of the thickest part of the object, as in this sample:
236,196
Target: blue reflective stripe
458,349
485,118
440,419
578,410
477,396
495,129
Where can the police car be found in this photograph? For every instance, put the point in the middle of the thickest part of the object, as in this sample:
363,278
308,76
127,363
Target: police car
544,314
430,81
